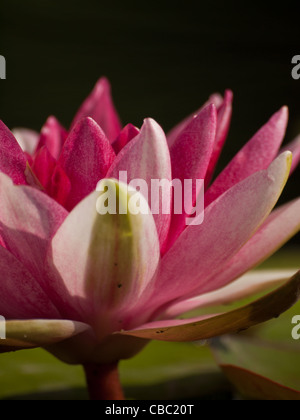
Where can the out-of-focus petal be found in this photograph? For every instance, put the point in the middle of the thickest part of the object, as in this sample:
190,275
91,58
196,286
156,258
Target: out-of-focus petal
86,157
147,158
99,106
256,155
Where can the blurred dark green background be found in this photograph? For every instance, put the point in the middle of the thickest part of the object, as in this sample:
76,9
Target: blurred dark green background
163,58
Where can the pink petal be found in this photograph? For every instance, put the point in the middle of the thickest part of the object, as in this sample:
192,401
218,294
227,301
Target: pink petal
28,220
258,153
60,186
127,134
53,136
85,159
12,158
21,296
43,167
232,322
100,107
215,99
106,261
246,286
223,124
294,147
27,139
147,157
268,239
190,156
229,223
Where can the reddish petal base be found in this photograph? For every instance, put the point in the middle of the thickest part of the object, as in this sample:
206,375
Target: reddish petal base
103,382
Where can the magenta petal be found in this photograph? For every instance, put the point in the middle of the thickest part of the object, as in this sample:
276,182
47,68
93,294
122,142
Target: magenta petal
21,296
100,107
60,187
86,157
28,220
256,155
127,134
147,158
12,158
223,124
43,167
215,99
190,156
53,136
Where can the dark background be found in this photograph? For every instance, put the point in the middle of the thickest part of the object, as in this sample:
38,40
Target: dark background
163,59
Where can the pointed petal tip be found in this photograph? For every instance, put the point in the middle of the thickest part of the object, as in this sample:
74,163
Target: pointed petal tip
283,113
151,124
228,97
209,112
103,83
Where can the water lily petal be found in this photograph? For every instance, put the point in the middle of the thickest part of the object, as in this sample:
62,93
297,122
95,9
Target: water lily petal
85,159
268,239
229,223
294,148
147,158
53,136
259,311
106,260
38,333
256,155
223,124
127,134
28,221
248,285
100,107
60,186
190,157
215,99
21,296
12,158
43,167
27,139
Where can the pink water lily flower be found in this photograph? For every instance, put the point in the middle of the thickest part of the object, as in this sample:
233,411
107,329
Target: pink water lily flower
94,289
